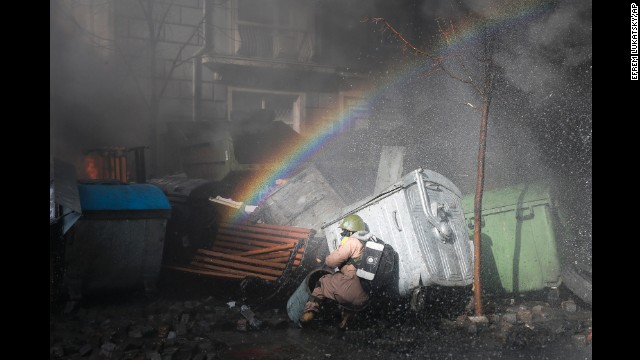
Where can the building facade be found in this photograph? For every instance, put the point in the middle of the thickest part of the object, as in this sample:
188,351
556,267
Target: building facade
218,61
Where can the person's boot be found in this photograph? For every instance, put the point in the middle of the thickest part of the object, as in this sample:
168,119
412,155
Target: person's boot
346,315
311,306
307,317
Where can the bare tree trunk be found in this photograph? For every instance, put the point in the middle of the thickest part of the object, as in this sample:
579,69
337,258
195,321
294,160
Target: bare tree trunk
477,207
477,204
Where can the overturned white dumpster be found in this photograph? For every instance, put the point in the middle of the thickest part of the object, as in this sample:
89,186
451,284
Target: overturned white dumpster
421,217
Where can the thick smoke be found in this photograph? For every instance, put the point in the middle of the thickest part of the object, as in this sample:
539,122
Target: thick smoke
550,62
92,104
541,58
540,115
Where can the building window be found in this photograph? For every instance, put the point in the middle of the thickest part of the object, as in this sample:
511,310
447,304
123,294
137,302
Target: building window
280,29
286,106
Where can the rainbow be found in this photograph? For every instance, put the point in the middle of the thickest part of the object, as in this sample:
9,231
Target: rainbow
289,159
470,30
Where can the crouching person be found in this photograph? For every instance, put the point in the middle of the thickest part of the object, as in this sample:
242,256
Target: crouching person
343,286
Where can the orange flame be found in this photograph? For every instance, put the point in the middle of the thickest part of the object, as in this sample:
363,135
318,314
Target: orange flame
91,167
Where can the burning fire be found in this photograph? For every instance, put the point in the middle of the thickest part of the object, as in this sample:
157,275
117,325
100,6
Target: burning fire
91,167
109,164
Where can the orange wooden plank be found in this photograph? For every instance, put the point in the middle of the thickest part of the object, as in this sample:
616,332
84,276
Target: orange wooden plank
245,235
231,271
271,229
265,250
240,259
239,265
272,255
292,229
205,272
282,259
279,234
236,246
230,247
224,250
254,242
279,255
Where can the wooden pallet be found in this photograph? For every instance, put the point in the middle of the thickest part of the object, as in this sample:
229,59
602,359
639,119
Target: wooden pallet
239,250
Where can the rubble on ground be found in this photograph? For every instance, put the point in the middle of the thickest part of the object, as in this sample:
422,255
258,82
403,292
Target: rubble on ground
207,328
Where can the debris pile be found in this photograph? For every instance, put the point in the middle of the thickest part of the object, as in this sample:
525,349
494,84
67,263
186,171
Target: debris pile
240,250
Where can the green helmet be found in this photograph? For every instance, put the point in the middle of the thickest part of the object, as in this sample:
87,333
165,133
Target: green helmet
353,223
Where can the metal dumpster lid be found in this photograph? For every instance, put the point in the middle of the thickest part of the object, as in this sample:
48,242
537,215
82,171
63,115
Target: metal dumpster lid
179,185
406,181
517,194
106,197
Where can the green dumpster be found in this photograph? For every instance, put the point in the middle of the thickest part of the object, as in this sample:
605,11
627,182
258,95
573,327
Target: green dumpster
518,239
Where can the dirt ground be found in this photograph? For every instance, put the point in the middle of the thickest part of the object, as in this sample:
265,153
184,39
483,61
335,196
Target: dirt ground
197,320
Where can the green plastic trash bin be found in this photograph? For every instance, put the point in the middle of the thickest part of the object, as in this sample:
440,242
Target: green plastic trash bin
518,240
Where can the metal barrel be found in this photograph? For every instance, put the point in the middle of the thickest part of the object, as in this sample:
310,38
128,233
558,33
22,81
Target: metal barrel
295,304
